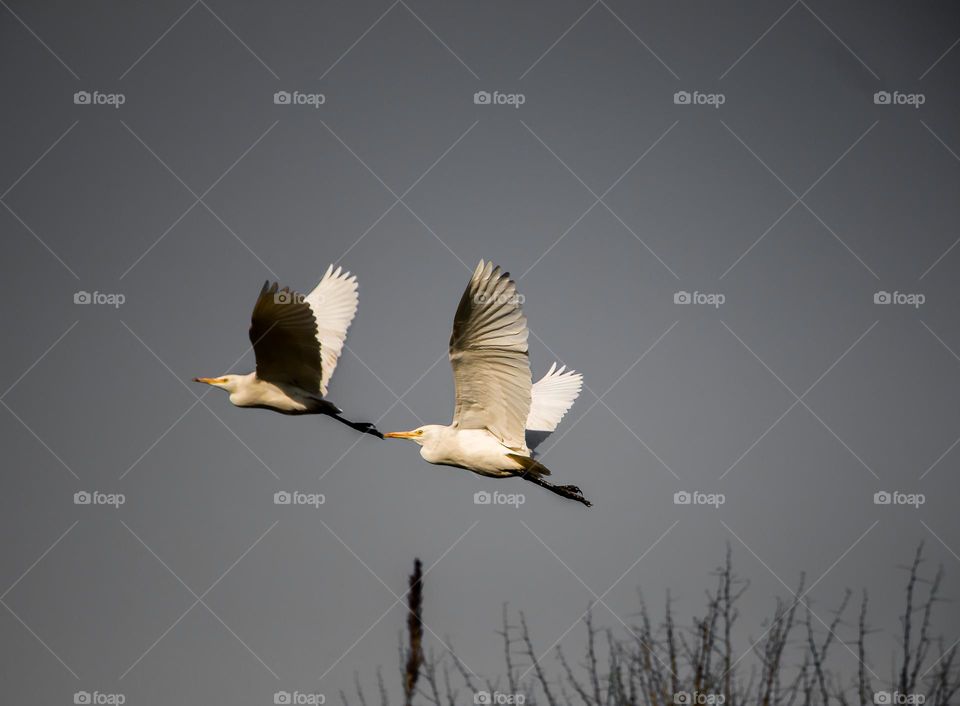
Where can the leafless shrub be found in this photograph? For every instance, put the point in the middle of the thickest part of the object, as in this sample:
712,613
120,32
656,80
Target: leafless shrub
669,665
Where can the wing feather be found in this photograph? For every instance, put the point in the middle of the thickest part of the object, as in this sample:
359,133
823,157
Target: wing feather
552,397
334,304
283,332
488,352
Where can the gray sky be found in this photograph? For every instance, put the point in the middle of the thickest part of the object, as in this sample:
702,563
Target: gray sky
798,199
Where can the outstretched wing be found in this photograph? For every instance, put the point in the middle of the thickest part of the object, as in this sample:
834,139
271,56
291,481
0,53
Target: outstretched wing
334,304
552,397
488,351
283,332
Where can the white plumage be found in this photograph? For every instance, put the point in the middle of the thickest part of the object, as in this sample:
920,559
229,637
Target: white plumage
496,402
552,397
488,352
334,304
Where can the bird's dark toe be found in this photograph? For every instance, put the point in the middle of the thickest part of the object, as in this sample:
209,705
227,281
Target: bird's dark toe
370,428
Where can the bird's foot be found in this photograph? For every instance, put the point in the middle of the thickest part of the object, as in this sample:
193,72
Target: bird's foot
573,493
369,428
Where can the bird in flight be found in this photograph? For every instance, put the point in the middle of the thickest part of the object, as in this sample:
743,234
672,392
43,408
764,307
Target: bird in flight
500,416
297,340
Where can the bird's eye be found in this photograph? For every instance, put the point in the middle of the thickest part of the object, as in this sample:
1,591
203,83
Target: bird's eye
419,432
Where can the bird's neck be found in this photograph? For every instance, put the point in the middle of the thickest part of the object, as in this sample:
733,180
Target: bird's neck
248,390
436,449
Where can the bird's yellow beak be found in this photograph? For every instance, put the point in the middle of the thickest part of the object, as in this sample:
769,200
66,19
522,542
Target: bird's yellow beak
210,381
399,435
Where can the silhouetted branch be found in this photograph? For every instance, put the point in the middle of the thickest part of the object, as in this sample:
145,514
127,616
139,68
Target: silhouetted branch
415,632
665,665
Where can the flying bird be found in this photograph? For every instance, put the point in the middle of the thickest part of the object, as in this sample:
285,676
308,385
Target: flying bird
499,416
297,341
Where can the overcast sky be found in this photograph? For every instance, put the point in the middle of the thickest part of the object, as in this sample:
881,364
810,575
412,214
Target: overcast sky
781,167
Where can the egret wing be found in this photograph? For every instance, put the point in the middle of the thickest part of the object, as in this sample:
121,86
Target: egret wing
334,304
488,352
552,397
283,332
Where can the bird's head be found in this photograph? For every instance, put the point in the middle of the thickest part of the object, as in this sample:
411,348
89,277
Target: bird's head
424,435
224,382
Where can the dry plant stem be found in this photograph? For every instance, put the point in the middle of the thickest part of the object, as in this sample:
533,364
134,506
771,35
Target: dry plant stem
794,661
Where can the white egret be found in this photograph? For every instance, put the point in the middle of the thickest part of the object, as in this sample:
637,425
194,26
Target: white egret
297,341
496,404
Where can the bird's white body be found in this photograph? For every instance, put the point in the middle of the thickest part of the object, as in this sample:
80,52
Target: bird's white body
251,391
475,450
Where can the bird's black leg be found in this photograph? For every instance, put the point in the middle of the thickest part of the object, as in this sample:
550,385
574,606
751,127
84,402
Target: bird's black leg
362,427
534,472
571,492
